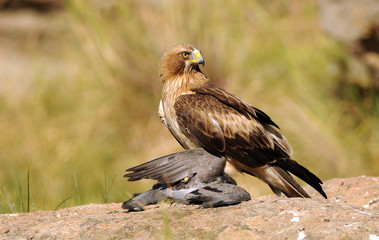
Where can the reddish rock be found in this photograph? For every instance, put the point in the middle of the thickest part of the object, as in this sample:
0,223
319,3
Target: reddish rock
351,212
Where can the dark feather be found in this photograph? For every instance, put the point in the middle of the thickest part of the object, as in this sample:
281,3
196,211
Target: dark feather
195,114
302,173
245,134
175,167
236,103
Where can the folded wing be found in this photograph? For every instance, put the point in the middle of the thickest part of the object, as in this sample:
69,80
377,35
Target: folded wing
225,125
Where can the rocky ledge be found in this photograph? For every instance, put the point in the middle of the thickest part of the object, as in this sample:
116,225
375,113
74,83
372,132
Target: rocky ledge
350,212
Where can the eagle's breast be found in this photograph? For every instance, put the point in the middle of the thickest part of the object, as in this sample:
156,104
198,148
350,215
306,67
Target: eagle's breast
171,90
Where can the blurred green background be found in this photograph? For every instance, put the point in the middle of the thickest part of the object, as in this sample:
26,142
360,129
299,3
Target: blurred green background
79,92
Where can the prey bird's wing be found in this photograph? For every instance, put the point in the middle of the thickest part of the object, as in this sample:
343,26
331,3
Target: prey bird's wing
177,166
205,184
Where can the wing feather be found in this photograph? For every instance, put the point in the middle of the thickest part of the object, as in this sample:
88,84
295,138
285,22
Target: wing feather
244,108
249,112
196,163
196,115
243,133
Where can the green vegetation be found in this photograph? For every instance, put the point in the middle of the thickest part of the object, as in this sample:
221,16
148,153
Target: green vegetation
82,106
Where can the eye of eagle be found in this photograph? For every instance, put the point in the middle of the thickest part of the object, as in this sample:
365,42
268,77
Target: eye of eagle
185,54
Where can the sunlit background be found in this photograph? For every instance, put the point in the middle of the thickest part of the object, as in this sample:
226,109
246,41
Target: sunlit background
79,91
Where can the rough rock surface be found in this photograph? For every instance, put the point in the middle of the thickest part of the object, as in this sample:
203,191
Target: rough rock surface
351,212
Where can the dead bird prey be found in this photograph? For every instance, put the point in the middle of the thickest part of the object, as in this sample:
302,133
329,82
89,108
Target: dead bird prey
189,177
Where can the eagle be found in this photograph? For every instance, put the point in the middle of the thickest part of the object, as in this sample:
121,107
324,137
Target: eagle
200,115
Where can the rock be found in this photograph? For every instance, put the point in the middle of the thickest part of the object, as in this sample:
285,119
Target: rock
356,25
350,212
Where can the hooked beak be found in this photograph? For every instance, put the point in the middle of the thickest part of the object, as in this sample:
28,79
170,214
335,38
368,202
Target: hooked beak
198,58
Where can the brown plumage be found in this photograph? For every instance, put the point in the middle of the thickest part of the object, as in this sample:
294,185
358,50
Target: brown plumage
198,114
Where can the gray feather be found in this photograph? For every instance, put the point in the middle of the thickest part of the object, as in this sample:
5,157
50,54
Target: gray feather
205,184
175,167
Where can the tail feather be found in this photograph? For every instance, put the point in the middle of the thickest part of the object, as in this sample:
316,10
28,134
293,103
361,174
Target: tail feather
280,180
301,172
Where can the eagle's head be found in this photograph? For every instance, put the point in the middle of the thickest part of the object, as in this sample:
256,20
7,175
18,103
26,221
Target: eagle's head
181,59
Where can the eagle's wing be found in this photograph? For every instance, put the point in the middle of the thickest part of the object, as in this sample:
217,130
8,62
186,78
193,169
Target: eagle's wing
223,127
250,113
223,124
